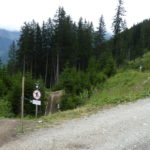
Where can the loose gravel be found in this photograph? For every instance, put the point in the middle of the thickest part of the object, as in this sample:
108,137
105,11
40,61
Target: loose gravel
125,127
7,130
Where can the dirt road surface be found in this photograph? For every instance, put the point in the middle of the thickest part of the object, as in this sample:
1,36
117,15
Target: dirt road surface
125,127
7,130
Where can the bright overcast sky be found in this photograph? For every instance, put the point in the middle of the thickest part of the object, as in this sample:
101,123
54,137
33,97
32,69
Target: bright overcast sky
13,13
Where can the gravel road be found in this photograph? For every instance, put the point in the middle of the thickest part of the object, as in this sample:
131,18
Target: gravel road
7,130
125,127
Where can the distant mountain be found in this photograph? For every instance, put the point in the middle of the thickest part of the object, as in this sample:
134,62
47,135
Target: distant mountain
6,38
108,35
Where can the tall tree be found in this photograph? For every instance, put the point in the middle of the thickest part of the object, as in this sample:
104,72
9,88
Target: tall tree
12,58
100,34
118,26
118,21
59,38
64,41
85,43
39,70
47,35
26,47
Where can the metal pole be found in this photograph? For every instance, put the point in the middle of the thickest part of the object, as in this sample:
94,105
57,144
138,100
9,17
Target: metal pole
22,97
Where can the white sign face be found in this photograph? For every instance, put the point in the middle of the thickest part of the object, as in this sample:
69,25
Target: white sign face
36,102
37,94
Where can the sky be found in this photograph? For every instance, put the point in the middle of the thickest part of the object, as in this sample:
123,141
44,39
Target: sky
13,13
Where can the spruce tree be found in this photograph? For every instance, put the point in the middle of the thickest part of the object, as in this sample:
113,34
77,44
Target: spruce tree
26,47
118,22
100,34
118,26
85,43
12,58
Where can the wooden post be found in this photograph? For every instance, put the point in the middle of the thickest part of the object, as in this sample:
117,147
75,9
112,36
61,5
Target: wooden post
36,110
51,107
22,96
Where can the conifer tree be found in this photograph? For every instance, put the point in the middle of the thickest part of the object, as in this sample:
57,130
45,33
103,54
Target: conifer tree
85,43
118,22
12,58
118,26
26,47
100,34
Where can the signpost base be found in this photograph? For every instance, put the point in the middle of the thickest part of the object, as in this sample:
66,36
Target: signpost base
36,110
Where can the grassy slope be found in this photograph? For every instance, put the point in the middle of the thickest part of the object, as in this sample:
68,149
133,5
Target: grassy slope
123,87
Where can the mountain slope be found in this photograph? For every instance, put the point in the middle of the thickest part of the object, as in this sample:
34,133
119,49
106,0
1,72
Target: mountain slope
6,38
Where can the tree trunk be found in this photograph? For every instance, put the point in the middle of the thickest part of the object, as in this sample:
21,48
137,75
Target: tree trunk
57,68
46,71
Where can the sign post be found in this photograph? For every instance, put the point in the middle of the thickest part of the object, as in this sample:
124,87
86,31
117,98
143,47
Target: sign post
36,96
36,111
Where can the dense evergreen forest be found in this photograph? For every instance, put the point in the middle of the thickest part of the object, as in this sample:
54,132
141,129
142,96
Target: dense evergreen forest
62,54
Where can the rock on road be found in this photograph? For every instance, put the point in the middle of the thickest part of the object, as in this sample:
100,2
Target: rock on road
125,127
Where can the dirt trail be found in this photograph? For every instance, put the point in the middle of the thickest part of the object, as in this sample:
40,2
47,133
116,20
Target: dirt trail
125,127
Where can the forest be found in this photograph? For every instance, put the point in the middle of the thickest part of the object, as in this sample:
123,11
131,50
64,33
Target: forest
65,55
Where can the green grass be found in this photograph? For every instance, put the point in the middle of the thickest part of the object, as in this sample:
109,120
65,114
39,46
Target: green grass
123,87
61,116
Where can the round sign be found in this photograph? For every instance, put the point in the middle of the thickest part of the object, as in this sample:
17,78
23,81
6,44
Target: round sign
37,94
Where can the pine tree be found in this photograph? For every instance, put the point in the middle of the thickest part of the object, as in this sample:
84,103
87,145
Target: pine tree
118,22
47,35
50,53
64,41
118,26
85,43
26,47
58,39
12,58
39,69
100,34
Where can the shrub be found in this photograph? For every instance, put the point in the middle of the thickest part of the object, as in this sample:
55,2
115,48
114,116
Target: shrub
5,108
70,101
142,61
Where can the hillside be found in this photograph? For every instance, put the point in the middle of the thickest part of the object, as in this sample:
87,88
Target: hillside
6,38
123,87
127,85
129,44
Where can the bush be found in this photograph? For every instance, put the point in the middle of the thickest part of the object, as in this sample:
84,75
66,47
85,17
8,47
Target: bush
146,61
5,108
70,101
75,83
70,80
143,61
14,95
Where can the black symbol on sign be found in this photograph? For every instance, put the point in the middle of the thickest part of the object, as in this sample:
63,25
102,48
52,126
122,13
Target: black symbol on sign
37,94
